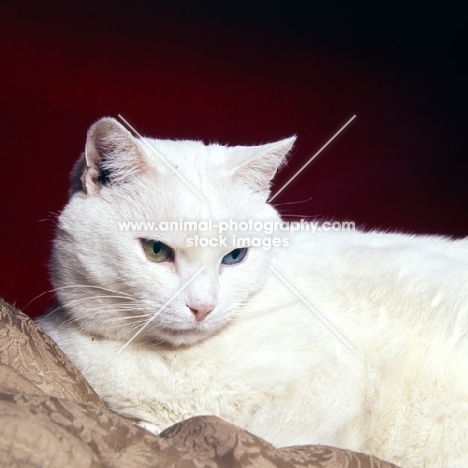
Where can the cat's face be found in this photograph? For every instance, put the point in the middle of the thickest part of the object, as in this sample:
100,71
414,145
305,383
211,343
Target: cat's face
114,278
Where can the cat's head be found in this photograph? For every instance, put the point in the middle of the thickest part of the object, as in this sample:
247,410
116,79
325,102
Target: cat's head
113,277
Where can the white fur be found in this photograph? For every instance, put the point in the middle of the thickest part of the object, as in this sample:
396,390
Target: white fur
261,359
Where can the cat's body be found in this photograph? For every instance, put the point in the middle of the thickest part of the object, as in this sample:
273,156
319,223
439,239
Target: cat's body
238,342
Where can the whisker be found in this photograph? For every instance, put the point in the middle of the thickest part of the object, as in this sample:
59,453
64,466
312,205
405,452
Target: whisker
121,293
308,216
122,306
76,286
293,202
128,318
81,299
65,323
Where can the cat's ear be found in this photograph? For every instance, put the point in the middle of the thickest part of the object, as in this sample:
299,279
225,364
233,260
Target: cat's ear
112,156
257,165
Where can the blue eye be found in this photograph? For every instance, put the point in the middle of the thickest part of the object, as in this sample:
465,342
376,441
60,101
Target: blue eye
234,257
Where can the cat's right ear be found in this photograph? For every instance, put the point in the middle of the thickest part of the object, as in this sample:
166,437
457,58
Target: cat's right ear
112,156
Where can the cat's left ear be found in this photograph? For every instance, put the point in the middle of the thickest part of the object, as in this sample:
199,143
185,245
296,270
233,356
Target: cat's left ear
257,165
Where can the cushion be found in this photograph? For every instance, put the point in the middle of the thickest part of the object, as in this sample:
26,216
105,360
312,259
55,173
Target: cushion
51,417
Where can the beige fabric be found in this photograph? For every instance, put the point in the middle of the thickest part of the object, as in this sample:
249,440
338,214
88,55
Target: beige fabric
31,354
51,417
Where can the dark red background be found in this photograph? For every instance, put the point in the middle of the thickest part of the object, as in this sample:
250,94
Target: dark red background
243,73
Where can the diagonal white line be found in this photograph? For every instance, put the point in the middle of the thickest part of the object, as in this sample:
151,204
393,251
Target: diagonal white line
160,310
153,149
313,310
311,159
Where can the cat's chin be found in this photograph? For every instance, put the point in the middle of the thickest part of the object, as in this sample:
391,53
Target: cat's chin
177,337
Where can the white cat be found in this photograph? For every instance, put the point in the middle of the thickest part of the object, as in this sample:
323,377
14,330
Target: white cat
237,341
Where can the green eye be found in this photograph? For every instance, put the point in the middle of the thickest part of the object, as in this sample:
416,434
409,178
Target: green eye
156,251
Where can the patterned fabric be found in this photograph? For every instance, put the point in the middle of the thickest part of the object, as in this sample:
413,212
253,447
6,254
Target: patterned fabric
51,417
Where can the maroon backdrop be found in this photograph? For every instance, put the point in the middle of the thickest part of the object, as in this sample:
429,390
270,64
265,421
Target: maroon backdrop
246,73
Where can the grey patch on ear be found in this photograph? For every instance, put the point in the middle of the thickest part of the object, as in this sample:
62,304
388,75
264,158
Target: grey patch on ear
76,184
112,156
257,165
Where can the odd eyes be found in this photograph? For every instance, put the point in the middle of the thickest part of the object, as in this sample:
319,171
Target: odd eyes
234,257
156,251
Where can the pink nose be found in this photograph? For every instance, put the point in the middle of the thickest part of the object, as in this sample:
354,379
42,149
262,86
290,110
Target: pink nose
201,311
